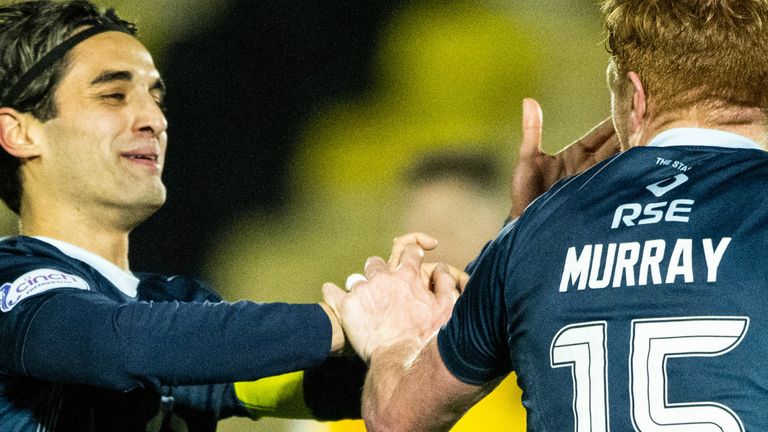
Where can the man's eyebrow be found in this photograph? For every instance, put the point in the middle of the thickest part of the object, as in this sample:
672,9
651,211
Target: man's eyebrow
111,76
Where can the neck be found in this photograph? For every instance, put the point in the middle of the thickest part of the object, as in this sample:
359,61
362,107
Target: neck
75,228
747,122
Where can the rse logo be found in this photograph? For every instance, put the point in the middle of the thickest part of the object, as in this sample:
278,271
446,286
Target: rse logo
636,214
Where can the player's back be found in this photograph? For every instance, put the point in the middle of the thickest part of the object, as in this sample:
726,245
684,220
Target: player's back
637,292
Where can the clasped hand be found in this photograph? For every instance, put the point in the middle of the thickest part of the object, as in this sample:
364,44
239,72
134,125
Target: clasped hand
402,299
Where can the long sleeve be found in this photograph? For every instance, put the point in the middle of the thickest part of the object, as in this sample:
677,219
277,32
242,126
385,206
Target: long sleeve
81,337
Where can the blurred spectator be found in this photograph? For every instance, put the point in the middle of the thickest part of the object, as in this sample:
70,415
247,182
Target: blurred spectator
456,196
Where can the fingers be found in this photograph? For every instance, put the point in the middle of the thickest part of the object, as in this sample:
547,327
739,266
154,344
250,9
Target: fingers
611,147
530,145
446,292
460,276
599,135
596,145
528,180
375,265
425,241
412,257
333,296
463,280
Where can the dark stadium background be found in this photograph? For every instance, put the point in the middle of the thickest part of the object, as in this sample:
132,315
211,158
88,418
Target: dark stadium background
240,90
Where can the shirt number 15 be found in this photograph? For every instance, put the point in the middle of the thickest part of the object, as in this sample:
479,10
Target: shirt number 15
582,347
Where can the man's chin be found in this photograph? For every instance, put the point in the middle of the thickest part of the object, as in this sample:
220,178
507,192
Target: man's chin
142,210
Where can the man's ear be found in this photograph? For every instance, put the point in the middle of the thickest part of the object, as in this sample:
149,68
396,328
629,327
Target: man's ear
639,104
14,134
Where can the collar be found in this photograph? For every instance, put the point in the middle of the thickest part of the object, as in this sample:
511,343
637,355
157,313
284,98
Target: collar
125,281
702,137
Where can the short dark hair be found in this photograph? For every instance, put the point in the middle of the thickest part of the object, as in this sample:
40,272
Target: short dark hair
28,30
479,169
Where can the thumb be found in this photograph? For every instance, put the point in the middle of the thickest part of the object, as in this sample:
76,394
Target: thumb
333,296
532,123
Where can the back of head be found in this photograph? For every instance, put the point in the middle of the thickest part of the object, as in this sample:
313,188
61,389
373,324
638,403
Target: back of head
704,54
476,169
29,30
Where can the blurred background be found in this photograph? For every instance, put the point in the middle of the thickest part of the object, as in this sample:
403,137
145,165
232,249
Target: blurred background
296,127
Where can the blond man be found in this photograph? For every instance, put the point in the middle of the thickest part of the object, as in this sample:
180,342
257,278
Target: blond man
631,296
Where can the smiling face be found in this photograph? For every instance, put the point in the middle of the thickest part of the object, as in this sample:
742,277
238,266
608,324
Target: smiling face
105,149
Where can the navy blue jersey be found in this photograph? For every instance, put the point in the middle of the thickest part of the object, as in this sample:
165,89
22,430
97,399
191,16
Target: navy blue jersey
85,350
633,296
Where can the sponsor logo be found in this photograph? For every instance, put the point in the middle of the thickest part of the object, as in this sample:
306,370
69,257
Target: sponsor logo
36,282
632,214
667,185
636,214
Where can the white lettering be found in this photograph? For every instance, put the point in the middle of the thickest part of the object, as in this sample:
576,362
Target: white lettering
625,264
654,211
713,256
681,261
653,253
619,215
679,206
675,211
595,281
629,264
576,269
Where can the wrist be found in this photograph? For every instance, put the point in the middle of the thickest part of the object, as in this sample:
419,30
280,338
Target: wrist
337,332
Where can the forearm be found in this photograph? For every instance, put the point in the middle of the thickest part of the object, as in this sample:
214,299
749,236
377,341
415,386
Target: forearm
409,388
388,366
77,340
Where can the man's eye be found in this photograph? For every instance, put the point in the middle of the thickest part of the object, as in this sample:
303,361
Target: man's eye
114,96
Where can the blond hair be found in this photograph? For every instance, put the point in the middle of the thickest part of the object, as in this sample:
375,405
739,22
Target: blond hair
692,53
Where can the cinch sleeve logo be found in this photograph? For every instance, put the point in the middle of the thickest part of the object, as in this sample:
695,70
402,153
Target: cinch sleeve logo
36,282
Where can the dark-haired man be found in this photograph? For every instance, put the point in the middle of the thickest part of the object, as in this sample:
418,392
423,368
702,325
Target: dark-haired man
88,345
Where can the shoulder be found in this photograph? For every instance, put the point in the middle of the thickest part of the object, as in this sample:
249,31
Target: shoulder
21,254
158,287
29,267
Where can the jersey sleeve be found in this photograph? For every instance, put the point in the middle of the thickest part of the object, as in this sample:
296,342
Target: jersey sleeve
473,343
203,404
76,335
330,391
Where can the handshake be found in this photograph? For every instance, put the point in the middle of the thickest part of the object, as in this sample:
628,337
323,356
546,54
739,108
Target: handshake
403,300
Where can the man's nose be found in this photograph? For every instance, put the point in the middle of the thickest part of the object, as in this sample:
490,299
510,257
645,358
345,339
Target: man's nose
150,118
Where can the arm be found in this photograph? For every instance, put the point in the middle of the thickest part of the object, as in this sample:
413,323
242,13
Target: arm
394,398
393,372
78,337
